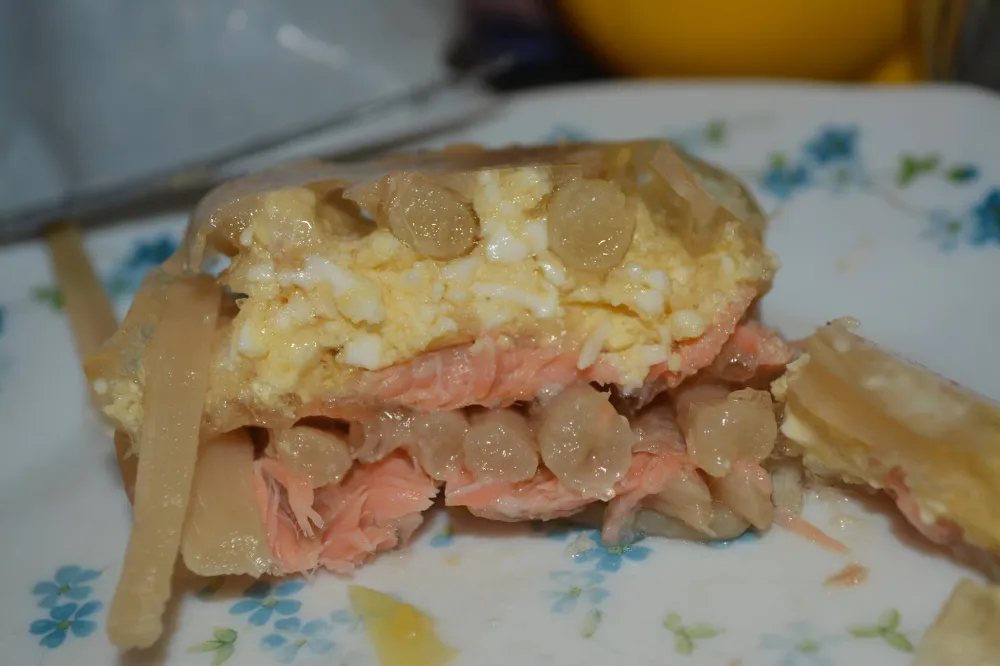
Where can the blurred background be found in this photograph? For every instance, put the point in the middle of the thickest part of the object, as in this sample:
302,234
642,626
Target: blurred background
104,97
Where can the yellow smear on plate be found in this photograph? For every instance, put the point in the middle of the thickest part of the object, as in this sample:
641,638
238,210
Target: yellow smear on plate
402,634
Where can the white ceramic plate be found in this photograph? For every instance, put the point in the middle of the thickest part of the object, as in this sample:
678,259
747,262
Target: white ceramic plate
887,208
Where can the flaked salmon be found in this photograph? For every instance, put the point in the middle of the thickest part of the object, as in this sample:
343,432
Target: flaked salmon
541,498
753,351
649,475
376,507
482,373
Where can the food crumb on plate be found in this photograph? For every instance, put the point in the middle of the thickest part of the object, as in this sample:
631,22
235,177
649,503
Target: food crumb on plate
851,575
402,634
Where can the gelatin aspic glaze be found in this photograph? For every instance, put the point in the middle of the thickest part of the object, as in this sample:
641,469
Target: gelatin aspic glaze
533,333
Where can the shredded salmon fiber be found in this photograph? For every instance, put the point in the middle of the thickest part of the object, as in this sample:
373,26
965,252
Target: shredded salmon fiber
807,530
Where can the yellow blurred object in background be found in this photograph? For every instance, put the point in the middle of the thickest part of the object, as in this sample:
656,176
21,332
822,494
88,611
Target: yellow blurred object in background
812,39
900,67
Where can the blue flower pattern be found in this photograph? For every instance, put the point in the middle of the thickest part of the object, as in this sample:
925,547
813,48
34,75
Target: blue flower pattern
291,636
71,618
833,145
830,157
575,586
70,582
69,612
262,601
611,558
286,636
783,179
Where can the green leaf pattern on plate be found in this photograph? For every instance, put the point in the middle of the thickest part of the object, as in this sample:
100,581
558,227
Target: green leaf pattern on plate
591,621
685,636
49,296
222,643
912,167
886,628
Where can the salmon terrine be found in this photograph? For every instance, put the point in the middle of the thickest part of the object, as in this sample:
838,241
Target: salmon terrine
530,333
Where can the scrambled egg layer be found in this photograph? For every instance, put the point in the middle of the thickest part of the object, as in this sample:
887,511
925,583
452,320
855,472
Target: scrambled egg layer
317,313
321,299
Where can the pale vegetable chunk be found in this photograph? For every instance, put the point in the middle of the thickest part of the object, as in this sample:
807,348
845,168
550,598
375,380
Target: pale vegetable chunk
439,437
426,215
224,532
860,414
725,524
590,225
721,428
500,446
656,430
746,489
688,499
319,456
967,632
374,439
585,442
176,360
